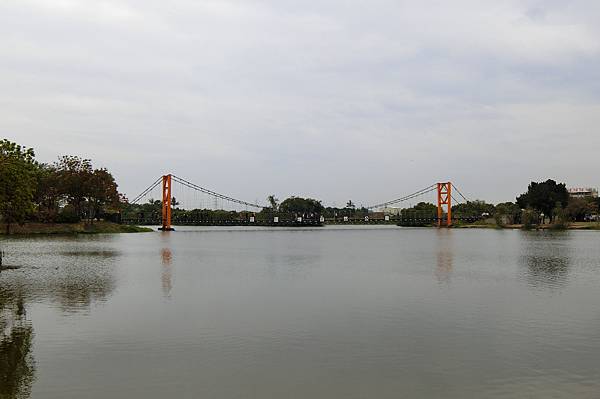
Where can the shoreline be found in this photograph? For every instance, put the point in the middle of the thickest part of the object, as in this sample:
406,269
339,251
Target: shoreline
103,227
570,226
98,227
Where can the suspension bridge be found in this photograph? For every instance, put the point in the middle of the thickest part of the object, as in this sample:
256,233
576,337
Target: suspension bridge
196,205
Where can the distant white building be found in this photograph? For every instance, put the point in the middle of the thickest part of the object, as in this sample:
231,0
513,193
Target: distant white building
583,192
391,211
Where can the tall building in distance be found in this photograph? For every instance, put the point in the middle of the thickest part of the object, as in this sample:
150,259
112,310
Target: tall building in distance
583,192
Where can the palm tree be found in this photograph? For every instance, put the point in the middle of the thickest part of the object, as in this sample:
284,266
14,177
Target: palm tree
274,202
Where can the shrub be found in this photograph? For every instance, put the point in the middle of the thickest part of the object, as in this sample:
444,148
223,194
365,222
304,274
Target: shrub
561,218
68,215
531,219
500,219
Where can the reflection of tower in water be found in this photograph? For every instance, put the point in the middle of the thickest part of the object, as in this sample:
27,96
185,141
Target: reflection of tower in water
166,277
443,271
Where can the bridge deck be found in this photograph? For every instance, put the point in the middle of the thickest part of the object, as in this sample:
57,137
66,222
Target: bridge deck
304,223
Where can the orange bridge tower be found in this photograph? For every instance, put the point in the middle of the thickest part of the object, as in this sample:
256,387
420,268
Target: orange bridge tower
166,204
444,196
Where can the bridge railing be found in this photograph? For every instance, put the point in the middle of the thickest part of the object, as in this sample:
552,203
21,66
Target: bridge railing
227,222
391,220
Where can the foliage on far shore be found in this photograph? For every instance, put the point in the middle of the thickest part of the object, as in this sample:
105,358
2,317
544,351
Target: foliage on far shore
72,190
100,227
68,191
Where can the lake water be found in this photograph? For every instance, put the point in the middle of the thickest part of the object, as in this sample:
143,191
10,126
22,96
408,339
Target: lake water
332,312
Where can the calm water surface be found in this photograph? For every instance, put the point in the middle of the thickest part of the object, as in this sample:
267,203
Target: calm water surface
325,313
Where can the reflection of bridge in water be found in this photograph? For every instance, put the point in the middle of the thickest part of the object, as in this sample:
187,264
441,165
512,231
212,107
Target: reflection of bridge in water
194,197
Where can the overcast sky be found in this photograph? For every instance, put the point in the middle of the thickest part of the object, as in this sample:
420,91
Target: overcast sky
361,100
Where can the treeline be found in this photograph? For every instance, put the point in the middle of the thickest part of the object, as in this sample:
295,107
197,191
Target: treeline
546,201
66,191
71,190
312,208
543,202
550,201
150,212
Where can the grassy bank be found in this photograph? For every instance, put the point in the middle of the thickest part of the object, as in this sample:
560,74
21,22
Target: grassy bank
72,228
584,226
570,226
481,224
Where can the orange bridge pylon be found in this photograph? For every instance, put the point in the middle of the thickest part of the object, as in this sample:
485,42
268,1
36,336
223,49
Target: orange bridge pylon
166,204
444,195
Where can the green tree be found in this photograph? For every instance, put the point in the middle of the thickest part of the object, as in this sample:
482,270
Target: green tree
350,209
47,196
87,191
507,212
301,206
425,207
421,214
17,182
148,212
544,196
530,218
579,208
561,219
102,192
74,181
473,208
273,202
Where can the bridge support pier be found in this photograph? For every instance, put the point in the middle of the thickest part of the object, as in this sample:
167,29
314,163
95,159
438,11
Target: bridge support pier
444,195
166,204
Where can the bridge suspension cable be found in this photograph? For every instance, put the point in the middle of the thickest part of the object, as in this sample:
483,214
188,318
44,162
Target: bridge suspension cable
228,199
458,191
213,193
146,191
454,200
416,194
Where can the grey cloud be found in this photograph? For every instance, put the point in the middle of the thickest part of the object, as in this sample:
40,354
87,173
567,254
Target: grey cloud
339,100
